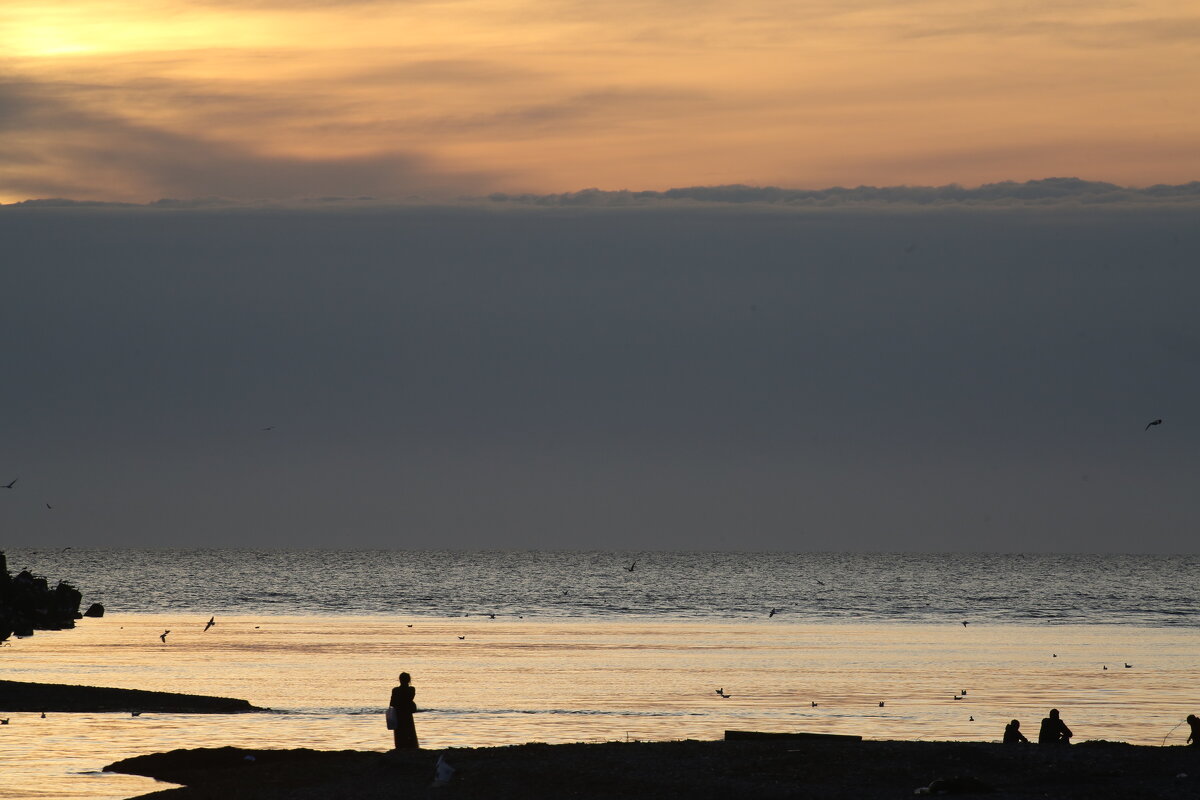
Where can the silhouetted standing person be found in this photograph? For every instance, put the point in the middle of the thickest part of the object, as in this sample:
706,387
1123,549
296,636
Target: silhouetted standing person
1012,733
1054,730
403,705
1194,723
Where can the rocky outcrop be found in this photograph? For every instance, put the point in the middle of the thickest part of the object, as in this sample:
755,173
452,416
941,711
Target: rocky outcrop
27,603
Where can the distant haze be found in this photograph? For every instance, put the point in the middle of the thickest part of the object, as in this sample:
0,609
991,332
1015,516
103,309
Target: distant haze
599,371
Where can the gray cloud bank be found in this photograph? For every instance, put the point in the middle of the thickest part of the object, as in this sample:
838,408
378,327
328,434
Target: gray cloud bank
1049,190
699,374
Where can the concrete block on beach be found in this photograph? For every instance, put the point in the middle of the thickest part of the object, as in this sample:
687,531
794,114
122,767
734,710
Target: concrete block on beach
22,696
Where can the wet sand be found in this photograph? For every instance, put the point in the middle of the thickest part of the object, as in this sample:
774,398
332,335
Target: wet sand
868,770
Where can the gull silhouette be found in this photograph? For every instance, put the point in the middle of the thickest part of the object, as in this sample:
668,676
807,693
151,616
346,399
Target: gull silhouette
163,636
631,567
721,692
1152,423
211,621
9,485
1128,665
774,611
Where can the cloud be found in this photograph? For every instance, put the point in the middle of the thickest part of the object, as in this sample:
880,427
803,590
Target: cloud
718,364
66,150
1045,191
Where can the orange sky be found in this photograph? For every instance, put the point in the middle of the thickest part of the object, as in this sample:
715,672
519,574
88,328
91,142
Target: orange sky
286,98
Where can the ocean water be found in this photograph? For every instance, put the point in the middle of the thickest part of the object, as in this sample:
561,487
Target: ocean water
584,649
815,587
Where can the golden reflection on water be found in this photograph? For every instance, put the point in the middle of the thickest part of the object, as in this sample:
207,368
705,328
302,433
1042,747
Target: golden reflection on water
512,680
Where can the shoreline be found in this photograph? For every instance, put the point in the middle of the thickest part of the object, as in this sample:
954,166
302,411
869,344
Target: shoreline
779,768
60,697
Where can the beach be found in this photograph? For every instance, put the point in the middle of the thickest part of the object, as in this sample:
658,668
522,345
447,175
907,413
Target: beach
869,770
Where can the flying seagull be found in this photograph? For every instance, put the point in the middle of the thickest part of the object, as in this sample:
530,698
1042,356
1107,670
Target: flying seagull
774,611
1149,425
211,621
721,692
630,568
9,485
163,636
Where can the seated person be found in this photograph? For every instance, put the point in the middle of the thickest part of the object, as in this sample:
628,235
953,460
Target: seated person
1054,730
1012,733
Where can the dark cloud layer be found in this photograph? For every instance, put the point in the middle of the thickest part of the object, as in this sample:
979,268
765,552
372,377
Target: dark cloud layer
1049,190
915,376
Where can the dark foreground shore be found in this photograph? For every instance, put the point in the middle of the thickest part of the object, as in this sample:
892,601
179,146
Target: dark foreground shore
687,769
61,697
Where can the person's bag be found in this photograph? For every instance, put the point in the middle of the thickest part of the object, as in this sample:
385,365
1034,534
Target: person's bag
391,718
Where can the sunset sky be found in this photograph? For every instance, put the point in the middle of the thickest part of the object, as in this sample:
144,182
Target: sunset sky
291,98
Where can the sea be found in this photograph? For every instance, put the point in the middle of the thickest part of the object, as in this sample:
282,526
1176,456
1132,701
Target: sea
509,647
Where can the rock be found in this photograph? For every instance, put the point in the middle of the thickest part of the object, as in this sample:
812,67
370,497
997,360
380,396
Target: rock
27,603
95,610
